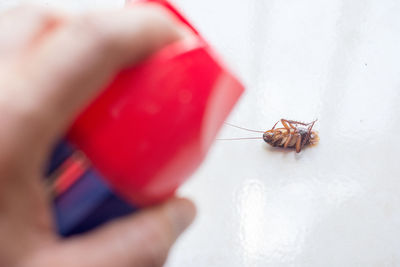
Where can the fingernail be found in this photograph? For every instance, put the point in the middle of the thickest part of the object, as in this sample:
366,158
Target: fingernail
181,212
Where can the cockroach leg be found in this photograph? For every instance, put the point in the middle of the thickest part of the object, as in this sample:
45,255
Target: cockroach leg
295,122
298,143
285,124
288,141
310,128
274,126
283,121
291,125
312,125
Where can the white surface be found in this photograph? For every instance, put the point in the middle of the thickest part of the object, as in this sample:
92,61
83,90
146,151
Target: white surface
336,204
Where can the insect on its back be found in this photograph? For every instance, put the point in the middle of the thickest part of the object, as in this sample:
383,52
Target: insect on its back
293,134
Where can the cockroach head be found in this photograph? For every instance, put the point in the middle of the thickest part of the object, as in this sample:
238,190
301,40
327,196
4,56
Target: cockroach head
268,136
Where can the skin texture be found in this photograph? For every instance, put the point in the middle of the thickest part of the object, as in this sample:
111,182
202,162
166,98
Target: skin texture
51,64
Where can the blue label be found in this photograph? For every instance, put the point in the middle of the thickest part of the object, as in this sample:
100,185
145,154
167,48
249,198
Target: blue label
87,202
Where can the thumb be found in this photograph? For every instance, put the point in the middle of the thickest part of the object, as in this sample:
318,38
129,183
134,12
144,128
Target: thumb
143,239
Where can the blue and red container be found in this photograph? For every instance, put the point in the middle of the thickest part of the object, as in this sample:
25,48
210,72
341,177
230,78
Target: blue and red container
143,136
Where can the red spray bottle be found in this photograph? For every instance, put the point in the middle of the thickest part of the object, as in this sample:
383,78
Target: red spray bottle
144,135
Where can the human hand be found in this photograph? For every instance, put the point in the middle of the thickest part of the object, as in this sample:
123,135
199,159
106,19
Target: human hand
51,65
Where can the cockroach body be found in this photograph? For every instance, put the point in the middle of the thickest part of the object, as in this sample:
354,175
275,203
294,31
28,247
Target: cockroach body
293,134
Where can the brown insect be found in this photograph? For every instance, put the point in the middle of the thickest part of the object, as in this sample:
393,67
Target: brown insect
293,134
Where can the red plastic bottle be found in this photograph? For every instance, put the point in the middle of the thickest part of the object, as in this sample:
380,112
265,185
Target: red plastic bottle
153,125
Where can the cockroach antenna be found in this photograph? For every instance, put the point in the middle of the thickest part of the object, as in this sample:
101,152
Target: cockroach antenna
246,129
240,138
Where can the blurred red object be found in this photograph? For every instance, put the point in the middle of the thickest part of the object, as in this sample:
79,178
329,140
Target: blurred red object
153,125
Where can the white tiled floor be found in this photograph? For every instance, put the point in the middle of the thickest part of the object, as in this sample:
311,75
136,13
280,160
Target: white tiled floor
336,204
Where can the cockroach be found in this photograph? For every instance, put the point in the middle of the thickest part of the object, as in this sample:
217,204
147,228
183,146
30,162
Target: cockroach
293,134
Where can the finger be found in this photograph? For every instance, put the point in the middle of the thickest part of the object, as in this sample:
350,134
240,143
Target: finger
140,240
79,59
22,26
